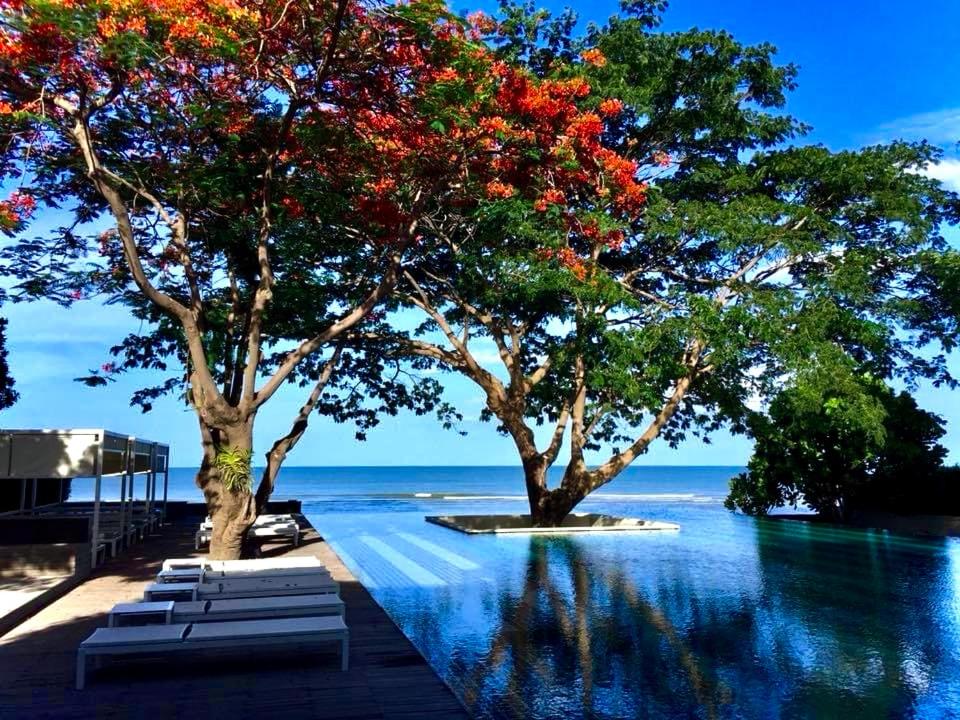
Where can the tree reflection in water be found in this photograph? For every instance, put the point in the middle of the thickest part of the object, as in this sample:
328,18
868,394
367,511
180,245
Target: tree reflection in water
822,623
854,622
578,641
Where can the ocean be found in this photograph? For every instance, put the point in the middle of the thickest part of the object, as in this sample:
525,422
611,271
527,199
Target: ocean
393,484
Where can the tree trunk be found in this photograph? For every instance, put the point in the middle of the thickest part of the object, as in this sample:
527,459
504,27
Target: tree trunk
231,507
535,476
554,507
549,508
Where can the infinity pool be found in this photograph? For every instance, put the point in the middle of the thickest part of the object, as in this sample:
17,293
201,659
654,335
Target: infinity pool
727,618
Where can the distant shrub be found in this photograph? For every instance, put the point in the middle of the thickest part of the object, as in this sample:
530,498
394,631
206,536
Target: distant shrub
840,444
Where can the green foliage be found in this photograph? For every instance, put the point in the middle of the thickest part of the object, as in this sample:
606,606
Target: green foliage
756,258
8,396
233,465
839,443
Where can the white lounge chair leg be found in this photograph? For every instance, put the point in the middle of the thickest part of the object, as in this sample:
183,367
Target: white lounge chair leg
81,669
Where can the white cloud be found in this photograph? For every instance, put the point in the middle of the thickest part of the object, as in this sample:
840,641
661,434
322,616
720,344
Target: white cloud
941,127
947,172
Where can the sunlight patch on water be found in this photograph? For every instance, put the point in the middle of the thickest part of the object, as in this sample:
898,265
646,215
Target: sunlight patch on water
420,575
458,561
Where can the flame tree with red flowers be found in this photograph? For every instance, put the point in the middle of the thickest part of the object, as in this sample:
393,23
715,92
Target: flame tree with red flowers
672,258
248,178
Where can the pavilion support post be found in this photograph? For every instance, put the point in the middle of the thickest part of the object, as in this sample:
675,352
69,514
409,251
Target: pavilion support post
123,493
166,483
23,494
151,480
33,495
95,530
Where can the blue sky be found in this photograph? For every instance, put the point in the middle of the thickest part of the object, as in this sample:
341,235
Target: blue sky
869,71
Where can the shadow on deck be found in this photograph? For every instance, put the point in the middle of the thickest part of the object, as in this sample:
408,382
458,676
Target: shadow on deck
388,678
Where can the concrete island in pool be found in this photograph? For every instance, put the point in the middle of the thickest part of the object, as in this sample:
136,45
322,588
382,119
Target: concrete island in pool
521,525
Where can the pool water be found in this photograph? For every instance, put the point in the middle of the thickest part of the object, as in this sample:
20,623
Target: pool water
729,617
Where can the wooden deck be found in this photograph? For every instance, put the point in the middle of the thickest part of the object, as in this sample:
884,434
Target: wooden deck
388,679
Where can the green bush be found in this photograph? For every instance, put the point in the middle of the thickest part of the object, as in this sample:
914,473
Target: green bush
844,443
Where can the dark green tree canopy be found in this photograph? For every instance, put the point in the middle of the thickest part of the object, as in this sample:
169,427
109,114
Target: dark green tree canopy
840,443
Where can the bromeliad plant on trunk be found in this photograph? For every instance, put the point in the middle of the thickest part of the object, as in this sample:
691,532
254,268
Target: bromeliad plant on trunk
246,176
680,261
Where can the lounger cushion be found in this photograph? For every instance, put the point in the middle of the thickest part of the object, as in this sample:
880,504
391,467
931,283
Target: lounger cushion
266,604
252,589
135,635
170,588
278,582
267,530
305,561
265,629
293,573
190,607
183,563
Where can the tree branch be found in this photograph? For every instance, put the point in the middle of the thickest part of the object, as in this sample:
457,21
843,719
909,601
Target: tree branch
284,445
346,321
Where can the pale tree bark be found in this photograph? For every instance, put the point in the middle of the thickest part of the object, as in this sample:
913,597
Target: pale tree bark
232,510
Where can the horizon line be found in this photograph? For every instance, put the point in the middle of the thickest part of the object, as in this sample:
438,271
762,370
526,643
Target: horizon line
513,467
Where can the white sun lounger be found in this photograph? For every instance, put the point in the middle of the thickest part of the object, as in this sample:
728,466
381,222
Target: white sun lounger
180,575
201,574
252,564
261,521
266,587
223,610
318,584
158,592
257,608
187,638
273,530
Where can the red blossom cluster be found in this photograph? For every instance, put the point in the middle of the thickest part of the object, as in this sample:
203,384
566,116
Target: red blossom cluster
611,107
15,210
594,57
70,59
480,24
293,207
373,130
591,230
497,189
569,259
550,197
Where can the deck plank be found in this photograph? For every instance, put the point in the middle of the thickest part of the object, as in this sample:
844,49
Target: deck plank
388,678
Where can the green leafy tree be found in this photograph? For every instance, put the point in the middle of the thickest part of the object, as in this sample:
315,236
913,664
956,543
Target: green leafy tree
839,444
746,259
